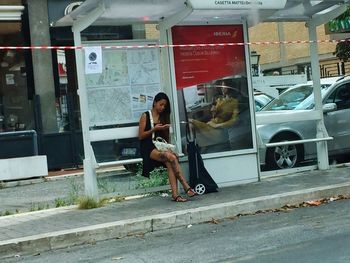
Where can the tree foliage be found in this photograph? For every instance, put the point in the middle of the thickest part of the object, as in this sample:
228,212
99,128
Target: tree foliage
342,50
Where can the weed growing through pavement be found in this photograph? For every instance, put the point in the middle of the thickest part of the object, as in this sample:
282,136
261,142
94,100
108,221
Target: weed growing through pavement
38,207
60,202
158,177
6,213
86,202
117,199
74,191
106,186
73,195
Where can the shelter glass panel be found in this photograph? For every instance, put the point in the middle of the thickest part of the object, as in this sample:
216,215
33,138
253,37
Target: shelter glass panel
212,87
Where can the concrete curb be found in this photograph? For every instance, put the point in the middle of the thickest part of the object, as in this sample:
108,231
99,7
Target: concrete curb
119,229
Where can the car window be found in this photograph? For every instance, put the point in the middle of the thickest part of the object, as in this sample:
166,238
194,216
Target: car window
258,106
341,97
291,99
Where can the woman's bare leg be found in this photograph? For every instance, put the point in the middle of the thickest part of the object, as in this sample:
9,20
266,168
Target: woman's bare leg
172,180
179,175
174,162
164,158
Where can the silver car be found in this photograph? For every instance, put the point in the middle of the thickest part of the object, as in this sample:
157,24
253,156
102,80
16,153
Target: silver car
336,106
261,99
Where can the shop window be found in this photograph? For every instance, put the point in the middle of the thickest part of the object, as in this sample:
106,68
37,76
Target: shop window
16,110
67,102
61,93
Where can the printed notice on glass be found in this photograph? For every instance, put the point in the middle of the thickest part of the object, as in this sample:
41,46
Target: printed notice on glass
10,79
93,60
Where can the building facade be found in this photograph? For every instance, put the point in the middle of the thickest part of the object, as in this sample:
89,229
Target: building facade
38,89
294,58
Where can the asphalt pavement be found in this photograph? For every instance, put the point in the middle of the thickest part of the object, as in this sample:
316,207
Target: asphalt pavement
49,229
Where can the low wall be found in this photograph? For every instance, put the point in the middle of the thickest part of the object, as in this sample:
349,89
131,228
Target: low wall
23,167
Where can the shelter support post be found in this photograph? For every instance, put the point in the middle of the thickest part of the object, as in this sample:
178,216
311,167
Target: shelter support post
321,132
90,180
166,61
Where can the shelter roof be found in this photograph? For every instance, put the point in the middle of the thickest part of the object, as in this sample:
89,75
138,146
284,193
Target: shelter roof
121,12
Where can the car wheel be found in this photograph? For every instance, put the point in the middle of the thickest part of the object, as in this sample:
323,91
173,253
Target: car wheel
284,156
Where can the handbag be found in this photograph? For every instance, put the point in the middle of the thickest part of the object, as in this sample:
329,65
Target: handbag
161,144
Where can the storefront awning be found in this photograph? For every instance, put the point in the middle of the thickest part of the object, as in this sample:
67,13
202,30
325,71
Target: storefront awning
120,12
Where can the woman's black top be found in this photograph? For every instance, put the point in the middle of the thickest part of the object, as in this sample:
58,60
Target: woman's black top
146,147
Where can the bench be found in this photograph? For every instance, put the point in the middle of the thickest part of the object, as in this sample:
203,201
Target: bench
115,134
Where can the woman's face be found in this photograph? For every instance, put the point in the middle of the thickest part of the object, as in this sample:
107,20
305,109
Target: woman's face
160,105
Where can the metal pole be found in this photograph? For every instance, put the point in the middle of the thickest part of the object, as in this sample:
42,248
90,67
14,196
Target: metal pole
321,132
90,180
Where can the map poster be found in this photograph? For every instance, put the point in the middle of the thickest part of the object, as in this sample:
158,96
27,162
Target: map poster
126,86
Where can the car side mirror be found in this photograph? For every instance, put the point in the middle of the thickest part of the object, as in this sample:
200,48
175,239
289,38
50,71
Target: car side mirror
329,107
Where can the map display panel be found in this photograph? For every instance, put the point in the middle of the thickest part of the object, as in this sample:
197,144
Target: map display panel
129,81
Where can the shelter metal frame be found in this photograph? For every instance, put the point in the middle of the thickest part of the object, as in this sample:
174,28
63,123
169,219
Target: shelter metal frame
312,15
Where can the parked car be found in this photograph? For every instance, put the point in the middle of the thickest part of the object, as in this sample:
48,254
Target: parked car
261,99
326,82
336,108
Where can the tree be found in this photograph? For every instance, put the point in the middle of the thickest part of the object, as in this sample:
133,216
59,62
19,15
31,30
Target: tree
342,24
342,50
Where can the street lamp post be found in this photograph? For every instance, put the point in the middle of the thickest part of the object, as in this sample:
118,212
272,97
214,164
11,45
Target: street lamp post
254,60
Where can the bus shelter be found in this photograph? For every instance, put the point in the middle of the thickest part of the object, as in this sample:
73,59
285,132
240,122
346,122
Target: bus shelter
202,52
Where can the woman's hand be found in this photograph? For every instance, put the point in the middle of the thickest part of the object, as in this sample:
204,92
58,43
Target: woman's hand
161,127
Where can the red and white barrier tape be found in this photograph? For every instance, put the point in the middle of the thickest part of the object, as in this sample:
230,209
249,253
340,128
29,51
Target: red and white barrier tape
174,46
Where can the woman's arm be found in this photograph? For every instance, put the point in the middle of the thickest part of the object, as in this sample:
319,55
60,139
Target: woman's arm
142,125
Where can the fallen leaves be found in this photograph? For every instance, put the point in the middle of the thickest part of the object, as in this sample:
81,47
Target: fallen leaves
289,207
314,202
214,221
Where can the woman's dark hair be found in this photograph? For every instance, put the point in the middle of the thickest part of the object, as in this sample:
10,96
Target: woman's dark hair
165,115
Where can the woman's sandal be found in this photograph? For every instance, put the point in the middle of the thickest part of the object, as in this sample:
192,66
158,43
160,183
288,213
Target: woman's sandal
190,192
179,199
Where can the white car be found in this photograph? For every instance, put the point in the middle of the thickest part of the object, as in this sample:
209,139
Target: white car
336,103
261,99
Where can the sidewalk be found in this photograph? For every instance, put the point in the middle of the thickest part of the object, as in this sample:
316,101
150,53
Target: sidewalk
30,233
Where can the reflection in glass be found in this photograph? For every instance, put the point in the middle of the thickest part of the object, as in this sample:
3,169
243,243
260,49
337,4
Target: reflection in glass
219,114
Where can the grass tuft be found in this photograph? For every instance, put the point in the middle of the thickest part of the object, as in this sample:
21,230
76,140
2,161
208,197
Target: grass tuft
86,202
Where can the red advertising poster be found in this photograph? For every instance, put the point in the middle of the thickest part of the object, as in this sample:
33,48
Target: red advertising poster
212,86
200,64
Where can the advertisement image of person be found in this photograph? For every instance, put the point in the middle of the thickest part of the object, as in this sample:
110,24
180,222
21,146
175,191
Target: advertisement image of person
152,157
224,112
